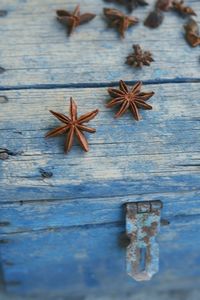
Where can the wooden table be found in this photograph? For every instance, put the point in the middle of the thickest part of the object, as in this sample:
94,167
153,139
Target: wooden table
59,235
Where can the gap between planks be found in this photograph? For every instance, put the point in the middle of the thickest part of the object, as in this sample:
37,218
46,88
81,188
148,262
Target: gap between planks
99,85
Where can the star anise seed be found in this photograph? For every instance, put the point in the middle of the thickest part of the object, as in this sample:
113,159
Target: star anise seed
182,9
73,126
119,20
139,57
192,33
154,19
73,19
129,98
129,4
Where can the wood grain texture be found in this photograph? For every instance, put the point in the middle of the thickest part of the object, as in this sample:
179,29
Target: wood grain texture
60,236
35,50
89,260
46,215
156,155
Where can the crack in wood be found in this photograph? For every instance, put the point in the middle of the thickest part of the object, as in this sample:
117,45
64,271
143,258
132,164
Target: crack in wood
2,70
3,99
3,13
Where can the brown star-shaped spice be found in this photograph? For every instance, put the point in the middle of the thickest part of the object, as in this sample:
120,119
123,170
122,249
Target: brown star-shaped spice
129,4
73,19
119,20
129,98
139,57
73,126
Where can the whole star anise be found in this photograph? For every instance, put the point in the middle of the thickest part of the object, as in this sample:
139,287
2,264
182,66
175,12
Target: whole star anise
182,9
73,19
129,98
129,4
119,20
73,126
139,58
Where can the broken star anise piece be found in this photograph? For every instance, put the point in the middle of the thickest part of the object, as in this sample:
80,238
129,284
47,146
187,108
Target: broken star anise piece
73,126
164,5
119,20
182,9
73,19
139,57
192,33
129,98
129,4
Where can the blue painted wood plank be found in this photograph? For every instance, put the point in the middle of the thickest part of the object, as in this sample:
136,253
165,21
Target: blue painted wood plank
31,216
88,260
40,54
126,157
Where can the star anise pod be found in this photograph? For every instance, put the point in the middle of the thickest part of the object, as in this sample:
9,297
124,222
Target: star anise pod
182,9
164,5
154,19
139,57
192,33
73,19
119,20
129,98
73,126
130,4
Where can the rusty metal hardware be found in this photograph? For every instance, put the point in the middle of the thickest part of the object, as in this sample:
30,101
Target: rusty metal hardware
142,226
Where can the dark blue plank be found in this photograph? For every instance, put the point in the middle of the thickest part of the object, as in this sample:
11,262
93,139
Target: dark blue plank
89,260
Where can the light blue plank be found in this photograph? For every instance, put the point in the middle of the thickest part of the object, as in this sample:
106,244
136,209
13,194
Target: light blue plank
126,157
40,54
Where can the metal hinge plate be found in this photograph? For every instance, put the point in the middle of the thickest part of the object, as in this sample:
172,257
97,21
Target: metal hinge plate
142,226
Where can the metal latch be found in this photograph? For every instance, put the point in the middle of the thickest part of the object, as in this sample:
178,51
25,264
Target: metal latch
142,226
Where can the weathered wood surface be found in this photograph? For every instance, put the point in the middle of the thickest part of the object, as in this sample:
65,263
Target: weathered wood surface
95,261
35,51
46,215
156,155
68,226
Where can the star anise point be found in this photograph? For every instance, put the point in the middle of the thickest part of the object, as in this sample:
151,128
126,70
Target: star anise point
129,4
